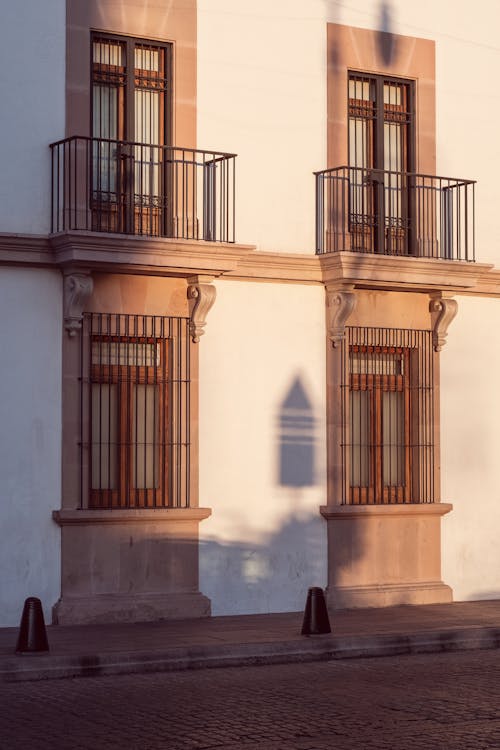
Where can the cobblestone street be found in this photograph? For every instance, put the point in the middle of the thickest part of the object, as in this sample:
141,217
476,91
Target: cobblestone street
401,703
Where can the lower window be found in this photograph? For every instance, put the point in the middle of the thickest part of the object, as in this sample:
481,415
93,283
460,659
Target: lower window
387,416
135,411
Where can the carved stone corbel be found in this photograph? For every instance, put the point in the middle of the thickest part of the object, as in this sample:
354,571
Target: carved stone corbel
78,287
443,310
339,305
201,295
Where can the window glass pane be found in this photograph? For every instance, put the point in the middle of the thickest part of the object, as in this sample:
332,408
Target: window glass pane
393,449
147,159
392,94
381,363
105,111
137,354
359,89
147,116
104,436
358,143
147,58
145,437
108,53
360,438
104,154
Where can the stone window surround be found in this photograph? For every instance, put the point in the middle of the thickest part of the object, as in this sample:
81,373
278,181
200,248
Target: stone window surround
350,48
175,24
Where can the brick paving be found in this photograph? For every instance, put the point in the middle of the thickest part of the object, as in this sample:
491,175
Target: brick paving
425,701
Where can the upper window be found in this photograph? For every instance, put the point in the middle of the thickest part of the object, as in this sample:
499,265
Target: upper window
130,90
381,122
381,154
130,128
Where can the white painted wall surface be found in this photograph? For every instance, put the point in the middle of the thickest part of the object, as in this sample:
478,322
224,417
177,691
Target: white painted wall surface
262,375
30,439
32,96
262,95
470,430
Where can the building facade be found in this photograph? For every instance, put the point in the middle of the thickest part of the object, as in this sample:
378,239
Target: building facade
248,317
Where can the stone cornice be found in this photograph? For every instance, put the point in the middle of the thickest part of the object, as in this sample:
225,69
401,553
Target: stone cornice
401,273
488,284
25,249
266,266
94,251
145,255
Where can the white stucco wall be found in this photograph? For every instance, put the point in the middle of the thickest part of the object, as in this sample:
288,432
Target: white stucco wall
30,439
32,96
262,392
470,419
262,95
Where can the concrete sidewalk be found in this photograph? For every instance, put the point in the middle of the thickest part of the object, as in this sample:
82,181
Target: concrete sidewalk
251,639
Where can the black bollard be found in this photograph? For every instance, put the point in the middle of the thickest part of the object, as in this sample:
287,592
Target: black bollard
32,634
316,619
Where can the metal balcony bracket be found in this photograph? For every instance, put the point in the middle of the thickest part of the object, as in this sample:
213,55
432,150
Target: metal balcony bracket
443,310
201,294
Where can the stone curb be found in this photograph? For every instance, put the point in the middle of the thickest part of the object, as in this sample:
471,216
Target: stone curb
316,648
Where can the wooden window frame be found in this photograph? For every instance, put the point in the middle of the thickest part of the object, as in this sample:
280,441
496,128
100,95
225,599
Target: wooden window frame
128,212
125,377
372,234
131,77
376,492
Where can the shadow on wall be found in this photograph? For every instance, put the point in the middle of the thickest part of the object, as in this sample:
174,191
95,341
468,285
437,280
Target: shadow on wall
273,575
297,438
243,578
386,40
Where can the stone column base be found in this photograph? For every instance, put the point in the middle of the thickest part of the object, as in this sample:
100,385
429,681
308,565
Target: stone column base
129,565
385,555
115,608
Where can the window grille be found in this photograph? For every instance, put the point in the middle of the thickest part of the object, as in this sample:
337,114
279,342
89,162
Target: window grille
387,416
135,399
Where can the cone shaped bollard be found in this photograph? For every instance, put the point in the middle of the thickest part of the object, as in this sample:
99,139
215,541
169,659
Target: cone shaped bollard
32,634
316,614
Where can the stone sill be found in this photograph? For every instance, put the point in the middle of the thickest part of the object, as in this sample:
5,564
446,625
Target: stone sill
362,511
129,516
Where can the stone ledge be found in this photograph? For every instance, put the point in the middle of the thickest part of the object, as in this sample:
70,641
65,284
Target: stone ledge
128,516
363,511
160,256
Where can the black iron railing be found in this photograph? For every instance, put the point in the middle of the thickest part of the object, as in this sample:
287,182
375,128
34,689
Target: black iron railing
394,213
106,185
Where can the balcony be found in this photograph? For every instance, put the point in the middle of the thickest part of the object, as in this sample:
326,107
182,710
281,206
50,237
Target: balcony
111,186
382,212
